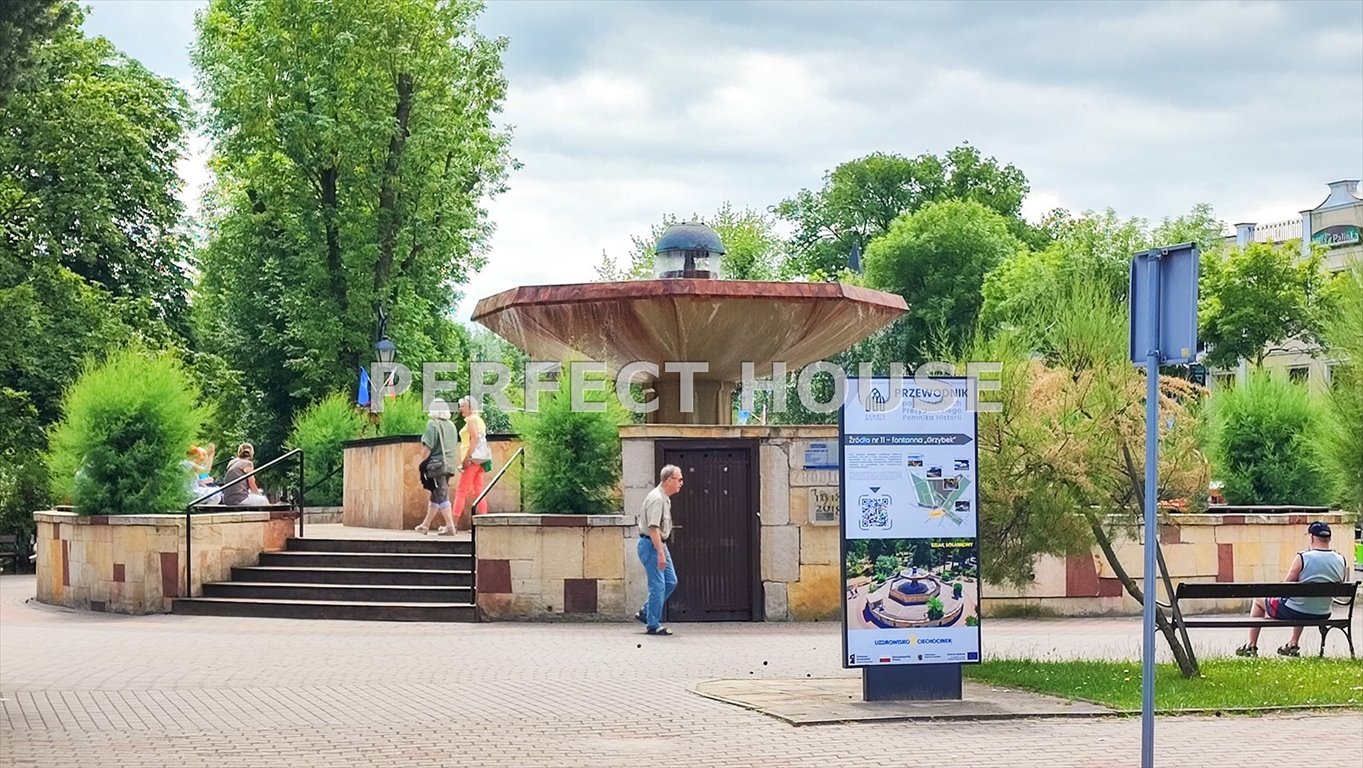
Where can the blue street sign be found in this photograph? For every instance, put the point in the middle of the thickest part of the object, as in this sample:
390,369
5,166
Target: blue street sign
1170,289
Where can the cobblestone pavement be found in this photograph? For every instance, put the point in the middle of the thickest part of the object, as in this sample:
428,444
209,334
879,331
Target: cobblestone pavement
87,690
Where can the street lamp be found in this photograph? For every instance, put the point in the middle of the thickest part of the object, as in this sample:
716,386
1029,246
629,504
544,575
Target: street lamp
385,350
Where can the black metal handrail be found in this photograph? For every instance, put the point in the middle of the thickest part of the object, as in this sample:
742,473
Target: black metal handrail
520,453
296,503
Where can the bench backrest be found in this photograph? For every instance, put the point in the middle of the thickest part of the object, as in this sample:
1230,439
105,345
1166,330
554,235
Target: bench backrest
1192,591
8,541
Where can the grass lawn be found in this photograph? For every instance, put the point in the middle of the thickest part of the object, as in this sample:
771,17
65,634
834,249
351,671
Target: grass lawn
1225,683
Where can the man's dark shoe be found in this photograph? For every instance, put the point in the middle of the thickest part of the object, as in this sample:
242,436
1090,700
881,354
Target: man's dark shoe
640,617
1289,650
660,631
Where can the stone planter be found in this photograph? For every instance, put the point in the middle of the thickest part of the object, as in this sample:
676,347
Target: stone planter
135,563
557,567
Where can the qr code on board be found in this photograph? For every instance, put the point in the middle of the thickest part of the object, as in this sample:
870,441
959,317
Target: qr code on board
875,511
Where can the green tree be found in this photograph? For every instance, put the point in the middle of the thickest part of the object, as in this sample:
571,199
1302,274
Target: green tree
862,197
24,25
1343,334
321,431
353,145
752,249
1096,246
1257,298
89,145
91,252
936,259
1265,443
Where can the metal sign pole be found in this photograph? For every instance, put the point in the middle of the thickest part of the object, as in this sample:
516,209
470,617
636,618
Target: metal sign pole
1151,531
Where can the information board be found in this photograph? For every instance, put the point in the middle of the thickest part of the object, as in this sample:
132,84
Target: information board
910,522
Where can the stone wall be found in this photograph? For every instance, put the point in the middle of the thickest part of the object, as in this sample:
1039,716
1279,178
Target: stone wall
136,563
382,488
556,567
798,508
1229,544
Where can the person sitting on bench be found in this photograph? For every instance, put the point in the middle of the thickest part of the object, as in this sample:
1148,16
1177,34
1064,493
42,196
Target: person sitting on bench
1320,563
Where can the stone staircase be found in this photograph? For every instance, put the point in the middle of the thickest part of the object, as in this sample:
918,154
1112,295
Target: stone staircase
428,579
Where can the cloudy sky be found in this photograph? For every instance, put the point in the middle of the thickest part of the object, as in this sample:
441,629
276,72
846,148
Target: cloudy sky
623,111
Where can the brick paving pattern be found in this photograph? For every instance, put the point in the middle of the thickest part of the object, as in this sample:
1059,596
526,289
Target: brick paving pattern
89,690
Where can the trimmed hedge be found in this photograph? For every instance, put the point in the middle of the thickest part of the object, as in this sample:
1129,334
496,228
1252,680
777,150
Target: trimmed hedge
1265,443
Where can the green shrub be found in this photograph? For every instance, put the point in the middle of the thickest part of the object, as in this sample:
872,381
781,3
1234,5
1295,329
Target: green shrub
572,459
319,431
935,608
119,446
405,415
957,589
1264,443
1343,334
972,621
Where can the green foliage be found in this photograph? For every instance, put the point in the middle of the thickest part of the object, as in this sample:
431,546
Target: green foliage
860,199
1265,443
1258,297
572,457
936,259
24,25
354,144
1051,460
122,439
972,621
886,566
752,249
405,415
1342,445
935,609
1095,247
957,589
89,141
1231,684
320,431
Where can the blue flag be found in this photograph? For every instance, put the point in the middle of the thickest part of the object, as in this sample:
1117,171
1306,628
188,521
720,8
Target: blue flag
363,397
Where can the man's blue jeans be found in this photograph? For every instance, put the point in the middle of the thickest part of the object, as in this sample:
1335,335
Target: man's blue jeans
660,582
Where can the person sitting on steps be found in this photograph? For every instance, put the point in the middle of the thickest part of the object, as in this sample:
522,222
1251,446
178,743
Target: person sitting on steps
245,494
1318,564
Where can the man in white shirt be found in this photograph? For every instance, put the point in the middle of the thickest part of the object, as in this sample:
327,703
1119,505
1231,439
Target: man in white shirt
655,525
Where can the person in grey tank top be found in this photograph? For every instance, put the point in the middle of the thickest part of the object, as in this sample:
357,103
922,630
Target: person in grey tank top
1319,564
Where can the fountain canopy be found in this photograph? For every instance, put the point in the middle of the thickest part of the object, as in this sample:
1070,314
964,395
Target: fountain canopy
686,314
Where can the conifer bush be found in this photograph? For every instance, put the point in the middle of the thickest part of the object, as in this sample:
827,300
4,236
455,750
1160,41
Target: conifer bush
122,439
1265,443
320,431
572,459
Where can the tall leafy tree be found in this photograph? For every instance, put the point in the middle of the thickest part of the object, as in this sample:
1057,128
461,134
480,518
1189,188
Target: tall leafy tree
24,26
89,147
752,249
354,142
91,250
1254,299
861,197
936,259
1096,246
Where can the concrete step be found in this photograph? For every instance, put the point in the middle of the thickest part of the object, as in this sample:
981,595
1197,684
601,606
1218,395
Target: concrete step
347,593
325,609
433,545
378,576
417,561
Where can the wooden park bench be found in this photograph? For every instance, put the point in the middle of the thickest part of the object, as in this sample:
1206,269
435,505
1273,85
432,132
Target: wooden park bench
9,552
1343,593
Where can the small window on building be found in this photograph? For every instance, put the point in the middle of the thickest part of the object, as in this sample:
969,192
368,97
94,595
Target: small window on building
1225,380
1299,374
1337,373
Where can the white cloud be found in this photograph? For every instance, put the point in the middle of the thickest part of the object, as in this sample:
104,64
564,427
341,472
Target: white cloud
626,111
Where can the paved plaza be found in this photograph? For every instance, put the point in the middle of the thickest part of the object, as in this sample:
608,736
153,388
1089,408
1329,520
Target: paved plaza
97,691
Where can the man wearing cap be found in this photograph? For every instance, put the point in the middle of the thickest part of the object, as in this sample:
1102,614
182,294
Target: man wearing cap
1317,564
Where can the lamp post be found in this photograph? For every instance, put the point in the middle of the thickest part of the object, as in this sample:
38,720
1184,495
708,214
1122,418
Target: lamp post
385,350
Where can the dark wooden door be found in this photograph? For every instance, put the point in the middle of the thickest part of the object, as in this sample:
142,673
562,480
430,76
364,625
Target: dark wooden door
715,531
